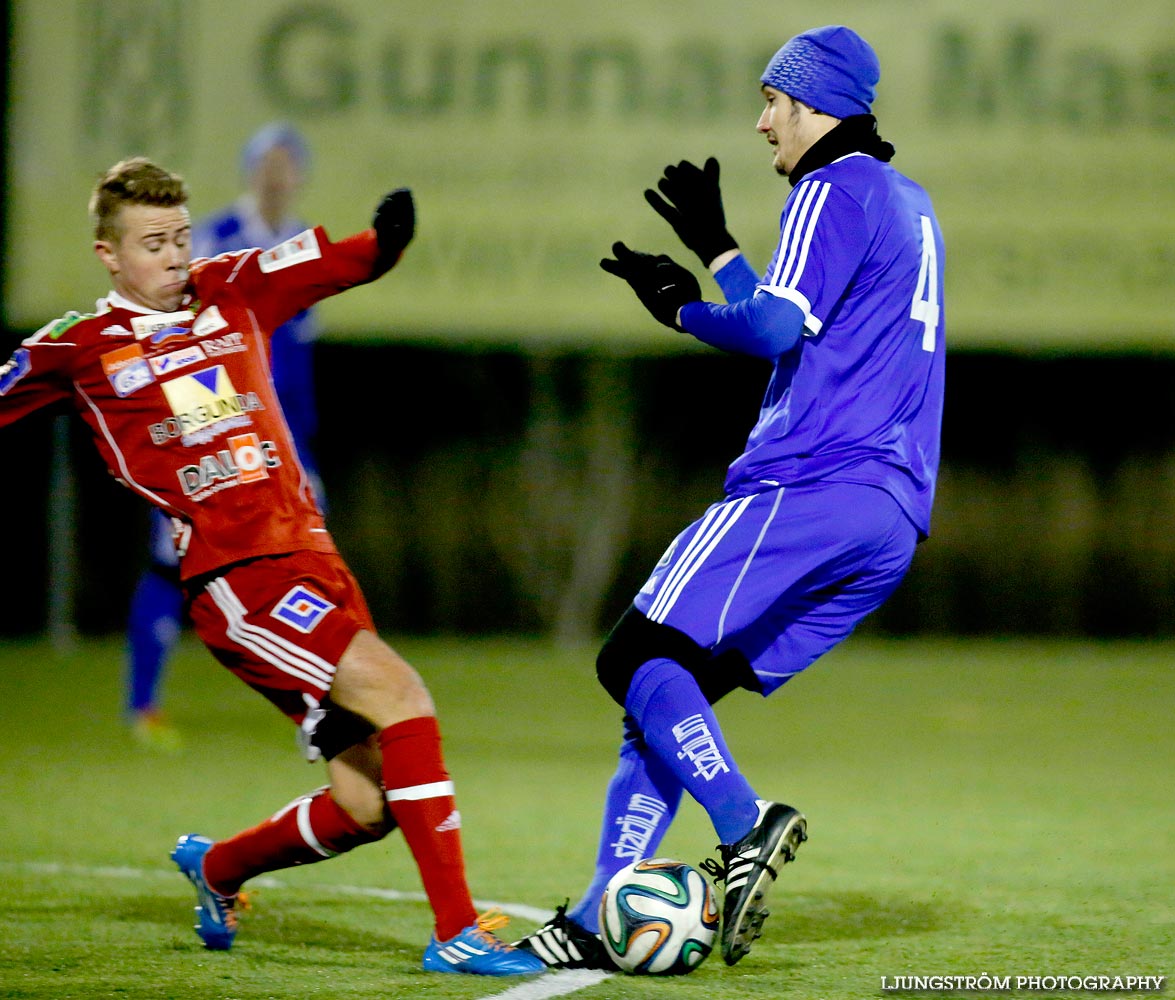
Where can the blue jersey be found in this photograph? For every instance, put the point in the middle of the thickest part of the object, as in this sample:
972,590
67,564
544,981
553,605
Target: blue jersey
859,397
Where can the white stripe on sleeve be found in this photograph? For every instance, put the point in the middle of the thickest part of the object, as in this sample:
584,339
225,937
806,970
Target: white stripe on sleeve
798,230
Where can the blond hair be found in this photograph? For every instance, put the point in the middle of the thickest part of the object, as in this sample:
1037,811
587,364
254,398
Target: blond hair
134,181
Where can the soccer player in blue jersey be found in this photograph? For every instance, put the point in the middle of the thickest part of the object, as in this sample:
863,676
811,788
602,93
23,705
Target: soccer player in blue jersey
823,509
274,163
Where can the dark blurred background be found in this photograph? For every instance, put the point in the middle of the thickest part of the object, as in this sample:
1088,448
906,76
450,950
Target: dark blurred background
501,491
486,478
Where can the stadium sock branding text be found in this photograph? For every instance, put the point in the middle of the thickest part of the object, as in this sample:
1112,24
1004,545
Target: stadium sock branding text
700,748
637,826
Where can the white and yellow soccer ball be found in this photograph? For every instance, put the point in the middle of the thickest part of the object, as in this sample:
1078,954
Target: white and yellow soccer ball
658,917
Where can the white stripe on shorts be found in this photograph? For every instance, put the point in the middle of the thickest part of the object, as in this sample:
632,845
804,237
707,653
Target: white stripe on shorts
269,646
413,793
717,522
747,565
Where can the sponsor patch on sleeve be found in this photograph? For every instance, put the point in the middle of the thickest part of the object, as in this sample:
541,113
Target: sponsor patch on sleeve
296,250
209,321
127,369
302,609
14,369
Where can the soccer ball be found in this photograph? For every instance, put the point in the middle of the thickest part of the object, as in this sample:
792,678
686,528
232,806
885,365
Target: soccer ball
658,917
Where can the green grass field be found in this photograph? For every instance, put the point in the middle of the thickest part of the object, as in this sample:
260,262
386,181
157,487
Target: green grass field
1005,808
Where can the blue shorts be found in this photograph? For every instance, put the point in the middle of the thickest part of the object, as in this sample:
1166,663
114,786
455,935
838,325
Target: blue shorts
782,576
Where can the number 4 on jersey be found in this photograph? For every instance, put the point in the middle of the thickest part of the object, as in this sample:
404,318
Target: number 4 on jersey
924,308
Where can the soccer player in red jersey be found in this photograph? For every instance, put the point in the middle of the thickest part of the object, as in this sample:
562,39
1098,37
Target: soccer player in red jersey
171,375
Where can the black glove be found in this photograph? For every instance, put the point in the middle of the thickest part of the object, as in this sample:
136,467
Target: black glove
694,208
662,285
394,223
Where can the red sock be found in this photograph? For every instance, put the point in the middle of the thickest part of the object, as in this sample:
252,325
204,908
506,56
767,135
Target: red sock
311,828
420,797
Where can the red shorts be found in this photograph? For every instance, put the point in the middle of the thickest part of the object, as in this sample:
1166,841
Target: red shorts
281,623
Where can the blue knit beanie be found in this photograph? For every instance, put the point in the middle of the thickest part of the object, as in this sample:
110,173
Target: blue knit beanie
270,137
831,69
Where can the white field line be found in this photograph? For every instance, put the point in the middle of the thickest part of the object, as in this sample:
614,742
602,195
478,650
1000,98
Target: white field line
267,882
553,984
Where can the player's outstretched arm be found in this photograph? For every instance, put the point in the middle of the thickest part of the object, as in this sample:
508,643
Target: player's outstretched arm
395,225
662,285
692,205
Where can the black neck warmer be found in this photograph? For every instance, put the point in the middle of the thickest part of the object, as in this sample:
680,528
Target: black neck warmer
855,134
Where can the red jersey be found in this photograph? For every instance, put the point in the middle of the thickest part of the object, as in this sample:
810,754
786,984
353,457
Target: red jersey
182,405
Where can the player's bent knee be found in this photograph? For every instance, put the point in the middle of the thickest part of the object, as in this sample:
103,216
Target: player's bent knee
374,681
371,830
356,788
633,642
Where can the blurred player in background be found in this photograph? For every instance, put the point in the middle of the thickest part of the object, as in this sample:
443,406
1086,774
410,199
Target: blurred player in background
171,375
823,509
274,163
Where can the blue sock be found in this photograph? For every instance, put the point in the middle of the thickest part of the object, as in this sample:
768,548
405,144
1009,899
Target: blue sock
679,726
642,800
154,625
